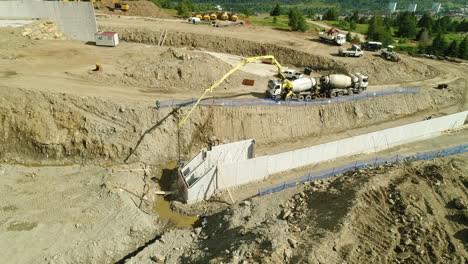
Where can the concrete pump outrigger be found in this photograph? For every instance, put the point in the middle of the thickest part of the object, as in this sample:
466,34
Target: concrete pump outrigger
286,84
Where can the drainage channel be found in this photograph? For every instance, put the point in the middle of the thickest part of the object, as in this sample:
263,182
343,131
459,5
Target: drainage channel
163,208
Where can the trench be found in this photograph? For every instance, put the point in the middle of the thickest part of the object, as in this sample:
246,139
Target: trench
162,207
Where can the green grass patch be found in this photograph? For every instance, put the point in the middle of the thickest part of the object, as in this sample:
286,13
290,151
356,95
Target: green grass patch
281,21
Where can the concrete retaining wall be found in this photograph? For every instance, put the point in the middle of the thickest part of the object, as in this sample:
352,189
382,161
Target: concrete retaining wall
198,177
234,164
260,168
75,19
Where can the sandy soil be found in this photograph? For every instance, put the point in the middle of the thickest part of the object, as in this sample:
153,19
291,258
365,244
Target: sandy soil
72,214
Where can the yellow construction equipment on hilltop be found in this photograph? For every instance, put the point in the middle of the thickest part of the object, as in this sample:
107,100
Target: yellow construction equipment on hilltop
287,85
120,6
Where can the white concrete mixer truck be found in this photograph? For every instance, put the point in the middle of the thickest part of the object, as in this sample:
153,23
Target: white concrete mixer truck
302,89
309,88
334,85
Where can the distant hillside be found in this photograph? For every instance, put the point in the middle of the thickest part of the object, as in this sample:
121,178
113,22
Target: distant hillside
362,5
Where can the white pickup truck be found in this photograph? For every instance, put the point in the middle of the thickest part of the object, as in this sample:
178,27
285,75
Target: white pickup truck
354,51
292,74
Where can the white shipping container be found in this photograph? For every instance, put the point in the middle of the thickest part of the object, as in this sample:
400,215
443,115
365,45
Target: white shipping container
106,38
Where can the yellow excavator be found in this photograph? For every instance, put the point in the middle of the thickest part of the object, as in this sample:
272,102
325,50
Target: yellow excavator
206,16
287,85
197,15
120,6
213,16
223,16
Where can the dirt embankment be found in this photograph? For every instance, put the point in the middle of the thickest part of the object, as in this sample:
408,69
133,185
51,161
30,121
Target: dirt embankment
60,128
379,70
142,8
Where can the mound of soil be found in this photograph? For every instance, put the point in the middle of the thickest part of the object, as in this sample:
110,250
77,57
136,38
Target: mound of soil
169,71
137,8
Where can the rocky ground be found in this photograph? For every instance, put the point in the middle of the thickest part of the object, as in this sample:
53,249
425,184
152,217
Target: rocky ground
412,212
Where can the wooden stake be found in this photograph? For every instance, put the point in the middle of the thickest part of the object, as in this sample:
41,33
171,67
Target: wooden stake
222,179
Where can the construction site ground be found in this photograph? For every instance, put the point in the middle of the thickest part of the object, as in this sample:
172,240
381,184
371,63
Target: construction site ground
82,153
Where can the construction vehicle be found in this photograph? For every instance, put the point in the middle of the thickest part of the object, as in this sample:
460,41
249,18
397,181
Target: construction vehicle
292,74
301,89
334,85
198,15
206,17
223,16
286,85
332,36
120,6
390,54
213,16
309,88
372,46
354,51
233,17
193,20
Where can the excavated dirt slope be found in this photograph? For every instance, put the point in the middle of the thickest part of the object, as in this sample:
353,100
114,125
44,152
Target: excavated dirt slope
61,128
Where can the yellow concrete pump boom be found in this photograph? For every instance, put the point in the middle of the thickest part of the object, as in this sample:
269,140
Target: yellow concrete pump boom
287,84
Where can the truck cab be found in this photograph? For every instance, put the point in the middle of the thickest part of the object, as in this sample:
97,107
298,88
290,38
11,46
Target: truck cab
362,81
274,89
340,39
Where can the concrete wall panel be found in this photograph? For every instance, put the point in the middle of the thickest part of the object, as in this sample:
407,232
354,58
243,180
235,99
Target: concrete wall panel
75,19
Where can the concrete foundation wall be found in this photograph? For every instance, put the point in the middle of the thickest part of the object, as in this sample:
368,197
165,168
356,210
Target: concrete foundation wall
198,178
261,167
75,19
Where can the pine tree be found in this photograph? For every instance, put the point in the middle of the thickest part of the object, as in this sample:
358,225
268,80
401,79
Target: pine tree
331,15
463,49
311,13
426,21
276,11
439,45
349,37
452,50
355,17
297,21
374,24
406,25
183,9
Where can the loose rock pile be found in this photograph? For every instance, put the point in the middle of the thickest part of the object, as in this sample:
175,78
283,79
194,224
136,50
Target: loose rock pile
44,29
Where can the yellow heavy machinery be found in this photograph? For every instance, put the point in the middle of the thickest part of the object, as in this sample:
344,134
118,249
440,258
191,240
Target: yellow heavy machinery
287,85
223,16
120,6
197,15
206,17
213,16
233,17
